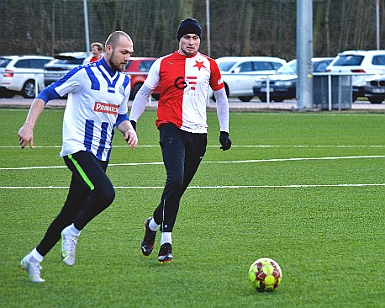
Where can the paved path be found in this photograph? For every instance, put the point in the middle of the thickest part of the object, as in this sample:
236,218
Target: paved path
235,105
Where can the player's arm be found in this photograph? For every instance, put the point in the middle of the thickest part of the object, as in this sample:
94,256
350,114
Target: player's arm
124,126
26,131
217,85
144,93
223,118
140,101
222,109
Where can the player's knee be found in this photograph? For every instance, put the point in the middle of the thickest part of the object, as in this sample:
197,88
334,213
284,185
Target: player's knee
175,181
105,195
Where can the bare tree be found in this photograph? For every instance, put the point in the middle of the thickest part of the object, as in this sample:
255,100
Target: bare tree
246,26
185,9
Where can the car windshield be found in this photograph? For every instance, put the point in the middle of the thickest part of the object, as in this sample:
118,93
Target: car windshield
4,62
289,68
348,60
70,61
144,66
226,66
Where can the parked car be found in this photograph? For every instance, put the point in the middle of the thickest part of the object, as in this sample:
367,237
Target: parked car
361,64
19,73
61,65
238,73
374,89
283,85
137,68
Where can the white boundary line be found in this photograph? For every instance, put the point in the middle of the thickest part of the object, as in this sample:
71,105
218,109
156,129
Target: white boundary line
212,187
215,187
216,146
217,162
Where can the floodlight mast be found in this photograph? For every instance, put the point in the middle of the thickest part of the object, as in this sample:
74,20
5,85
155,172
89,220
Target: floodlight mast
208,27
86,27
304,54
378,24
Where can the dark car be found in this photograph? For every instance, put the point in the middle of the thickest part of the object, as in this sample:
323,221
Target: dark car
283,84
61,65
374,89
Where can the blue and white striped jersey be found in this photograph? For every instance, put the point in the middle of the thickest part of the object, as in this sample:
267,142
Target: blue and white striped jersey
97,101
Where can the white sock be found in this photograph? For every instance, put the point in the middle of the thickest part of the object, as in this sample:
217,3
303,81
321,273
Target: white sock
166,238
35,257
73,230
153,225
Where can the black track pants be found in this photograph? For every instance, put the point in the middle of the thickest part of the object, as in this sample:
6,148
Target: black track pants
182,153
90,192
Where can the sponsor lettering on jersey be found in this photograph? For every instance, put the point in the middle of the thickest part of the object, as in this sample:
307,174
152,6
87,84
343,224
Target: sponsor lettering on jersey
192,81
106,108
179,83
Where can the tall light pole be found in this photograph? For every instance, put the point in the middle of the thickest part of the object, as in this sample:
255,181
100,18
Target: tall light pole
304,54
86,27
378,23
208,27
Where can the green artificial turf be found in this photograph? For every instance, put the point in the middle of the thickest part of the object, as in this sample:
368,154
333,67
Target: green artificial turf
305,189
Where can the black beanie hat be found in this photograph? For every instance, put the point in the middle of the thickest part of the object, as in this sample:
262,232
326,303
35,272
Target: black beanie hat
189,25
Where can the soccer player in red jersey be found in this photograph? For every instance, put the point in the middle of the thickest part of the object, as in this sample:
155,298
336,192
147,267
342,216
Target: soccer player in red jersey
185,77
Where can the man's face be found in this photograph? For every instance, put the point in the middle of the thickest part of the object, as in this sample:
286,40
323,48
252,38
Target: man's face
118,58
95,51
189,44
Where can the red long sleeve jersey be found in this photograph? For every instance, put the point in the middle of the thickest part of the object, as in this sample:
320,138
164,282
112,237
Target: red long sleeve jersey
184,82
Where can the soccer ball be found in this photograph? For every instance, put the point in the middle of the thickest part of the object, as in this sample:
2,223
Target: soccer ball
265,274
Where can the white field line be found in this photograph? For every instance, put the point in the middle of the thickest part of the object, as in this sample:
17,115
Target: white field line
216,162
217,146
210,187
216,187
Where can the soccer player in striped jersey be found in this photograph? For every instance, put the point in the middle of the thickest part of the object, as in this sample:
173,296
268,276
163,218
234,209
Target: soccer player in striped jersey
184,77
98,93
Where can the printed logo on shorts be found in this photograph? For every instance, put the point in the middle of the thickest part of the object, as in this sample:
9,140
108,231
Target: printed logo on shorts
106,108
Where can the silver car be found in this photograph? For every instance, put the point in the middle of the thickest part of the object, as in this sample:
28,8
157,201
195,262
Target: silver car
20,74
61,65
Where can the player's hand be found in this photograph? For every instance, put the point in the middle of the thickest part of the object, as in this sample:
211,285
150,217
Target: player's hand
25,136
131,138
224,140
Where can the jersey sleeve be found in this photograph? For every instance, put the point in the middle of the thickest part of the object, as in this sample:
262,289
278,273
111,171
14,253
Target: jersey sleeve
70,82
216,82
153,78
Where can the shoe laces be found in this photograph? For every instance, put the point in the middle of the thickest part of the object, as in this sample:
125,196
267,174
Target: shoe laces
34,270
71,244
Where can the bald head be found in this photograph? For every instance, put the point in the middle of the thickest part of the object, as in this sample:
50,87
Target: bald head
119,47
114,37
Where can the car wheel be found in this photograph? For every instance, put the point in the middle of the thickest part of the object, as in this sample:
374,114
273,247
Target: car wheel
278,100
155,96
4,93
28,90
376,100
245,99
135,90
263,99
355,97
